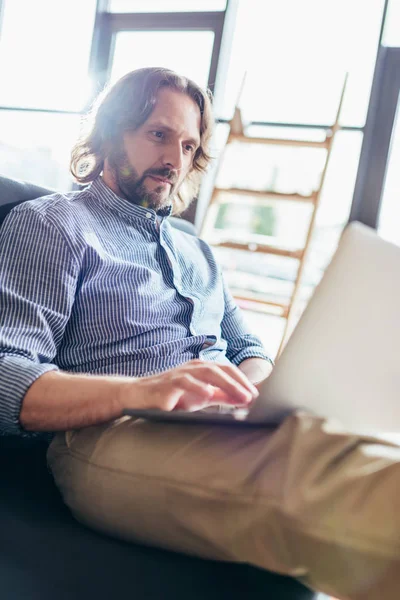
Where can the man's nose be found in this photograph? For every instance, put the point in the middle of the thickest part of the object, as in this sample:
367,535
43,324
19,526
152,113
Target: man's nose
173,157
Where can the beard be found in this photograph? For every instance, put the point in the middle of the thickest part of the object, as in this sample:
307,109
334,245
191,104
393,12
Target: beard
133,187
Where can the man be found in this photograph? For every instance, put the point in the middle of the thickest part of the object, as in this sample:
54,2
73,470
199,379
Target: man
105,306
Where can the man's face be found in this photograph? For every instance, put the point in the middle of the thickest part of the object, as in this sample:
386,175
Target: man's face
153,160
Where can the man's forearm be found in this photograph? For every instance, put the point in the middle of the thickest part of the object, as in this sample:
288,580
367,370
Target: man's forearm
256,369
60,401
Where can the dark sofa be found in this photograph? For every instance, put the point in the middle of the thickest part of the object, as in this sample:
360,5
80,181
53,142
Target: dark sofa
46,555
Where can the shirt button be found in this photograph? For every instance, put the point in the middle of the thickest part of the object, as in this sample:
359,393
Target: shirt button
148,215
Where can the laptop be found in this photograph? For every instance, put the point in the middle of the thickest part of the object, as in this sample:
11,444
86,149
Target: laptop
342,361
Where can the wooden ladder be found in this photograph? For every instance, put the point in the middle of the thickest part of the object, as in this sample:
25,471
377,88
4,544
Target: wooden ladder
238,134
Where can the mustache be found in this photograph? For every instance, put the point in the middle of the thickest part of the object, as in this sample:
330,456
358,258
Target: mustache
165,173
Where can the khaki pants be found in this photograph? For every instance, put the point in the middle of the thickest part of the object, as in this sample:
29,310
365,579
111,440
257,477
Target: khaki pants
303,500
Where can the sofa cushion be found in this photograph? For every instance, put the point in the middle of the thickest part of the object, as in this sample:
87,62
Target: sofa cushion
46,554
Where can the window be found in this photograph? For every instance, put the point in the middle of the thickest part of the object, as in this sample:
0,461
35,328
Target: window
293,57
44,58
44,53
296,55
391,35
176,50
36,146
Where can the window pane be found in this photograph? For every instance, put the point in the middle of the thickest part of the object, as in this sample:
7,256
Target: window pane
272,168
286,133
389,218
176,50
257,275
167,5
296,55
246,218
36,147
334,208
391,35
283,223
44,53
268,328
337,193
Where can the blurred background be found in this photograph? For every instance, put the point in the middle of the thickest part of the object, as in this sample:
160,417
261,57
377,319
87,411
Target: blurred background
284,63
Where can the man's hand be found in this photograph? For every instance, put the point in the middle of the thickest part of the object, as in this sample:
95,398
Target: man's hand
191,386
59,401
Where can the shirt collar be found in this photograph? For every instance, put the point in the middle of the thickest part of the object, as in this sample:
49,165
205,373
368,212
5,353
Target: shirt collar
124,208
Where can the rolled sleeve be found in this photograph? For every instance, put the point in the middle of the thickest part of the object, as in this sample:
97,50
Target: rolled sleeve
241,343
16,377
38,277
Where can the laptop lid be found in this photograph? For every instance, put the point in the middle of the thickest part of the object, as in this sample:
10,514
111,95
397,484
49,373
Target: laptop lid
343,358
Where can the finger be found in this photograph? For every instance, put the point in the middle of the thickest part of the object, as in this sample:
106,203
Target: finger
237,374
220,397
233,371
188,383
218,377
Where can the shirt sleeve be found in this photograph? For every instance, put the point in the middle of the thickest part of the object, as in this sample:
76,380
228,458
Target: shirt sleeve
38,276
241,344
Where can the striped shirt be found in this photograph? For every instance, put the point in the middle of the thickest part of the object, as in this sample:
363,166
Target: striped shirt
90,283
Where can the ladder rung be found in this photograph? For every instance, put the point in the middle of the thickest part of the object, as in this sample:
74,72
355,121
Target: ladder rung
265,194
279,141
256,247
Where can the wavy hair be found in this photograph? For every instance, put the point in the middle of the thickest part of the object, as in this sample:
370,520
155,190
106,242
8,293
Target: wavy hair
126,106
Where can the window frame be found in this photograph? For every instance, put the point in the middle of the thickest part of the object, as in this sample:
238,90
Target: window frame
382,106
370,181
110,24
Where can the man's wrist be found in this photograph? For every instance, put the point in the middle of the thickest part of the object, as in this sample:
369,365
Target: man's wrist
256,369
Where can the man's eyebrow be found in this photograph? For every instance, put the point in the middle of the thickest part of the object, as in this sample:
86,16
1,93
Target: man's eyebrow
158,125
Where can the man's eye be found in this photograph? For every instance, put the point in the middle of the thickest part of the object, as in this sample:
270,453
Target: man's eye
158,134
189,148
